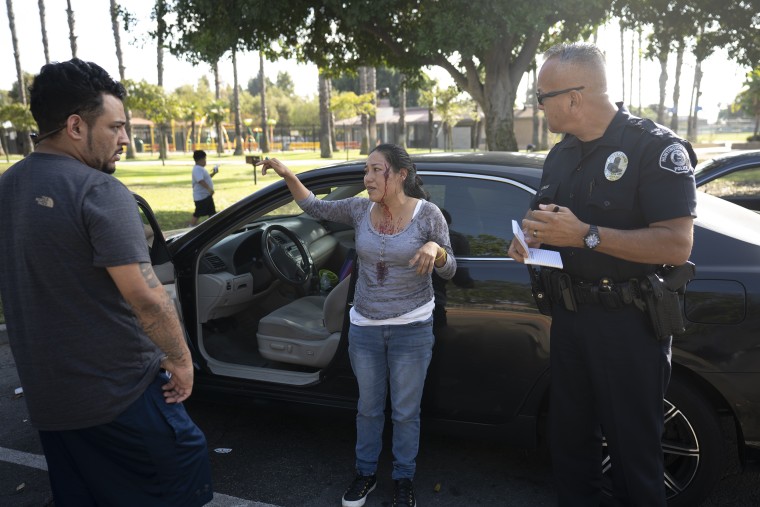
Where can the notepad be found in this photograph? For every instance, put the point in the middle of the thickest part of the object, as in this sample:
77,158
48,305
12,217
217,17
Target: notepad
537,256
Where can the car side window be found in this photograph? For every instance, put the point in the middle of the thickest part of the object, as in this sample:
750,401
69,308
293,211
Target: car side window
741,187
479,210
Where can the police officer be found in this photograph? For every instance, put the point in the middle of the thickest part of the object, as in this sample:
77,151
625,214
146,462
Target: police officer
617,199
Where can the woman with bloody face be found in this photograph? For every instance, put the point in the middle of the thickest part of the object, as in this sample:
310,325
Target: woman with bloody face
400,239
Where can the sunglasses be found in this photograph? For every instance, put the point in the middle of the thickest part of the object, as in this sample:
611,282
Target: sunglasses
541,96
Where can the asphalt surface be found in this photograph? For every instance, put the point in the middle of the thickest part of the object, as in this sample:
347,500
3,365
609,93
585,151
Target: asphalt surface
276,455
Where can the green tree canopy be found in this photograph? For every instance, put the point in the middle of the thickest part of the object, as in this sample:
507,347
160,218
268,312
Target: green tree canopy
486,49
748,100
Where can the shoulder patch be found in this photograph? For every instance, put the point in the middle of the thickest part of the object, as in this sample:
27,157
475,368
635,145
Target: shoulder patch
675,158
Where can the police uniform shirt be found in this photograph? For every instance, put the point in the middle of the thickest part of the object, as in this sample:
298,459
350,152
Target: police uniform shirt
636,174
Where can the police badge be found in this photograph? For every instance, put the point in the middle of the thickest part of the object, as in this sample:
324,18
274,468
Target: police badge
615,166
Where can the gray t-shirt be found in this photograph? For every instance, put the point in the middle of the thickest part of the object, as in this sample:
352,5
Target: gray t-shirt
387,286
81,353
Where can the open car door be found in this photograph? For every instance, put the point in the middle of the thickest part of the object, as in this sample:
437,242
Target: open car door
159,252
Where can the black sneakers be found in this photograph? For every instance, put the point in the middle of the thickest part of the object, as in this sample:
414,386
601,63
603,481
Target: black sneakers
357,492
403,496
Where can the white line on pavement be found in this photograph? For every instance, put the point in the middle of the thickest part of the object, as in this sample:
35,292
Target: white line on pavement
23,458
37,461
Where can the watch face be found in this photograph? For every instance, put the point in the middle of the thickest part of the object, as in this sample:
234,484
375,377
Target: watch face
592,240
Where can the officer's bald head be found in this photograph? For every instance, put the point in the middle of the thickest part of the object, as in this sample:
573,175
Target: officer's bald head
580,62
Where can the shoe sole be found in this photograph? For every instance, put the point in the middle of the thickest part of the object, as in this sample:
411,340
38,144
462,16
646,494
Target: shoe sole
360,502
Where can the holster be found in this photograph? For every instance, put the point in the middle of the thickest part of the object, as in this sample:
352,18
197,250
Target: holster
660,292
539,291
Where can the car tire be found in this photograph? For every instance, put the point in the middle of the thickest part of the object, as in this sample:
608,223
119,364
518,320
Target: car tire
694,449
693,445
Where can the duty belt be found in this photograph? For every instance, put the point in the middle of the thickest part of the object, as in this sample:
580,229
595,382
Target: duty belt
606,292
563,290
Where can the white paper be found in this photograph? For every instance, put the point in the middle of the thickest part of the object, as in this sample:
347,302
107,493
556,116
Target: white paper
537,256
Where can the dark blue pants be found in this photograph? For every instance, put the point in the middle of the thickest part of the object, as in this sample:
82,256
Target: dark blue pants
153,454
609,375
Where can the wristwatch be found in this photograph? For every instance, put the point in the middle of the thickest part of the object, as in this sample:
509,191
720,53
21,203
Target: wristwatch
592,239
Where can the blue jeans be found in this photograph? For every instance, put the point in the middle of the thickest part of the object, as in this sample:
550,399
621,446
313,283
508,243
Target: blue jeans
151,455
397,356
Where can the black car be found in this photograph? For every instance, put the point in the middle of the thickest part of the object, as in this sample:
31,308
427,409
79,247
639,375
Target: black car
245,282
734,177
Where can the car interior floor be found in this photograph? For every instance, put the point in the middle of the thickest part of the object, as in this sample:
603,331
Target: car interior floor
233,340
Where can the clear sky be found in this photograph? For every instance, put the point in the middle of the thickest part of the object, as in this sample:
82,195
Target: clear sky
721,82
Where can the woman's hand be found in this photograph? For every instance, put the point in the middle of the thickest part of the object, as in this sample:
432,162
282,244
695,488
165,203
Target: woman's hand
272,163
295,186
424,259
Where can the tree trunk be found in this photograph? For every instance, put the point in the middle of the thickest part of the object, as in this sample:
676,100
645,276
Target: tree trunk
3,146
498,107
325,145
402,113
677,87
162,143
72,37
333,138
622,61
122,71
264,120
43,27
640,58
692,131
630,73
363,88
663,58
217,96
372,118
236,105
160,11
28,146
16,52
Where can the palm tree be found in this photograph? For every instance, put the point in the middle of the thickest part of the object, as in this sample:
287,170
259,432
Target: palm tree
16,53
325,143
236,106
264,144
676,85
402,112
372,119
41,5
160,11
24,131
72,37
216,112
364,89
117,40
218,97
333,138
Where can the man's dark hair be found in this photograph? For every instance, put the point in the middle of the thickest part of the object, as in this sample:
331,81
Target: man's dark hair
199,155
73,87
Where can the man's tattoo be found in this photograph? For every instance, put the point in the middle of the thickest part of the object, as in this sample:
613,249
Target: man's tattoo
149,275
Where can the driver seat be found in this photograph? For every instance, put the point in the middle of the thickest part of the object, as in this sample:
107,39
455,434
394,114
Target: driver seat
306,331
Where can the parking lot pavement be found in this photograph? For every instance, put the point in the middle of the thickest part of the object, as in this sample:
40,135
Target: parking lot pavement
23,469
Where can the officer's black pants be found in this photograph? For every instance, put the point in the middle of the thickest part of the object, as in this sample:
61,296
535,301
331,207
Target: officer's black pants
609,374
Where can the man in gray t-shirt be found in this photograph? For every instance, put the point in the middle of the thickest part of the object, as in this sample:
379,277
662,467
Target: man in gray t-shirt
98,345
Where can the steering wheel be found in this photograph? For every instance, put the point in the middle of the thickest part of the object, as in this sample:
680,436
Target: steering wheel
279,261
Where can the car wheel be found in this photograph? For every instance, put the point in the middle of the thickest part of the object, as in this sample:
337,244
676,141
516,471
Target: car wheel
692,444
